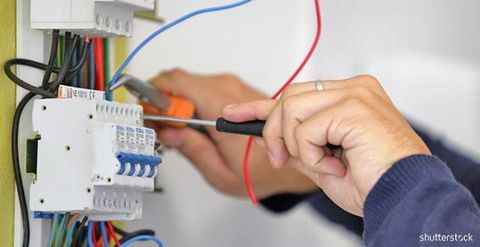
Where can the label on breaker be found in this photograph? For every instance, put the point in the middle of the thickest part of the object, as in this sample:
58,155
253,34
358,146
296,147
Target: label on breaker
67,92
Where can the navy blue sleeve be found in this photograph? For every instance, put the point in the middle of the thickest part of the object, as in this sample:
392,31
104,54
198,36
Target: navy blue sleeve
464,169
417,202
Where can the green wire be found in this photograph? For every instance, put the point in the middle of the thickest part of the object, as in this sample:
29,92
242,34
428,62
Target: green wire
106,66
59,230
62,49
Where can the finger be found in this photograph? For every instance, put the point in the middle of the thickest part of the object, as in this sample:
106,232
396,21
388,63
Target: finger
203,154
296,109
365,81
254,110
335,125
272,131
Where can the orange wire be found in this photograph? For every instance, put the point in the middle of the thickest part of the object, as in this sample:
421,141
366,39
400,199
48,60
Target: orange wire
71,220
248,147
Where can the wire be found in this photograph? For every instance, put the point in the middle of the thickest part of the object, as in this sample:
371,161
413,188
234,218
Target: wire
17,171
91,67
103,231
106,59
99,64
69,224
90,234
142,238
36,90
167,27
71,229
61,230
51,59
66,65
248,146
113,234
136,234
79,230
52,229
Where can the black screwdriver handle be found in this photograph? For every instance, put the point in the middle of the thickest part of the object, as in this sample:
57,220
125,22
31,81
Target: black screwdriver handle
252,128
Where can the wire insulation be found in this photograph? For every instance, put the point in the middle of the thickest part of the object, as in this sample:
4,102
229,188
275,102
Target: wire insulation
143,238
137,49
113,234
248,147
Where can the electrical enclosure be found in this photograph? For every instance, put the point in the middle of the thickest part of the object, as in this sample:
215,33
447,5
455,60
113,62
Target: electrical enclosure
95,17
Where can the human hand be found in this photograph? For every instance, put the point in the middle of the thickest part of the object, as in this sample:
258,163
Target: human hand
355,114
219,158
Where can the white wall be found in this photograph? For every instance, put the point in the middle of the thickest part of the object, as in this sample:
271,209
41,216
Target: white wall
426,53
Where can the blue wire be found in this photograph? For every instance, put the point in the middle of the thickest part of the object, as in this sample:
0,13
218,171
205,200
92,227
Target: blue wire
52,231
142,238
167,27
89,234
104,233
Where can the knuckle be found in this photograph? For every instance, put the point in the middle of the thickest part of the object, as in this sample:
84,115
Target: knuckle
363,92
288,105
229,77
289,90
177,73
369,79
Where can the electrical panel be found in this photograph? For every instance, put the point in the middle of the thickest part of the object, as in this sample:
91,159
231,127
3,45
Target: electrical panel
95,17
93,156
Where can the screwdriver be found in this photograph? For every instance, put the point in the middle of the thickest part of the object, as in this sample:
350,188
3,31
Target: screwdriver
252,128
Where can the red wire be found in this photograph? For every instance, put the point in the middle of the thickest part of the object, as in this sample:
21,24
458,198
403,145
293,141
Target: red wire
112,233
94,235
248,147
99,64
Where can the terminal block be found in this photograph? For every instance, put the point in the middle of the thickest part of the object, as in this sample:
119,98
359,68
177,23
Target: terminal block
95,17
94,157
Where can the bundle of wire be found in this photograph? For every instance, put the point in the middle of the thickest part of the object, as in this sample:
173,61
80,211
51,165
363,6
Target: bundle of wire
73,63
66,230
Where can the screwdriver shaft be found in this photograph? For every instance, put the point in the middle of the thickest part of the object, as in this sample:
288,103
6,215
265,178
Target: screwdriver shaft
180,120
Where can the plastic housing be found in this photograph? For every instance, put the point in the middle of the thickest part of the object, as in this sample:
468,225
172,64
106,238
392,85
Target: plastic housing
95,17
94,158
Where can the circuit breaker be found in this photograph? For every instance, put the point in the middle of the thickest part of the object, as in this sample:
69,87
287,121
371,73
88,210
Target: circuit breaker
93,156
95,17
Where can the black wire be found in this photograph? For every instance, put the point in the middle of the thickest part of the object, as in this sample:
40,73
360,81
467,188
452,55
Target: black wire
136,234
64,69
51,59
78,67
129,235
79,230
17,170
36,90
120,231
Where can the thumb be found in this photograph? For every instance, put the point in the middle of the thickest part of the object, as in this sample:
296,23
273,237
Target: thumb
254,110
